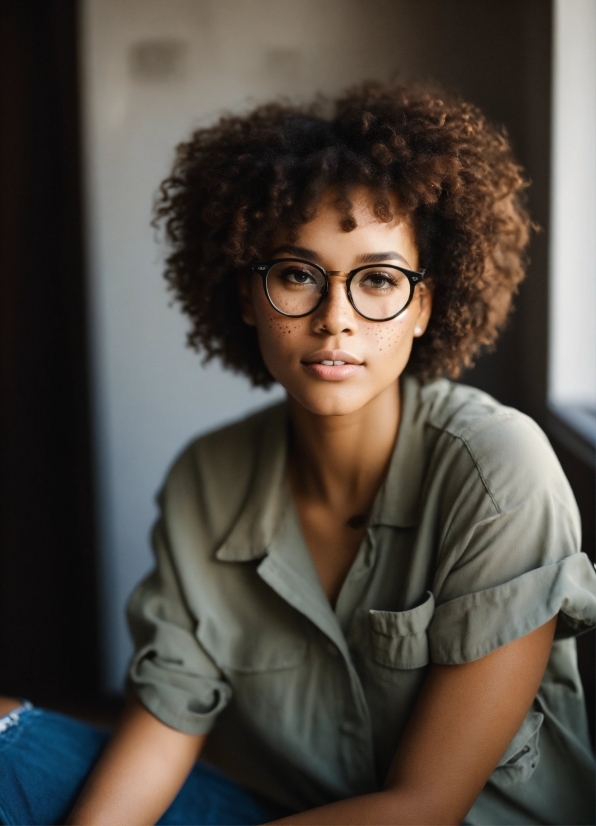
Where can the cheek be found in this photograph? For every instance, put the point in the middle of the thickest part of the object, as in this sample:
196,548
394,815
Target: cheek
278,338
271,326
277,330
388,336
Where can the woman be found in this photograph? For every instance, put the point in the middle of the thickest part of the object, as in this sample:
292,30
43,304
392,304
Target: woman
356,592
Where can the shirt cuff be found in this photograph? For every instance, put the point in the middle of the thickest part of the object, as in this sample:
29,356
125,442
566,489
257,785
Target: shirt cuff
179,710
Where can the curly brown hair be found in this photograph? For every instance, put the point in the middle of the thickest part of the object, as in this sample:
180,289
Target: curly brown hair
234,183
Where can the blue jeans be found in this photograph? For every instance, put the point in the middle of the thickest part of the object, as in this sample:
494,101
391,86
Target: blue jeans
45,759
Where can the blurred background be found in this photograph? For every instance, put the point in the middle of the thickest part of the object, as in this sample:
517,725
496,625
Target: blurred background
97,389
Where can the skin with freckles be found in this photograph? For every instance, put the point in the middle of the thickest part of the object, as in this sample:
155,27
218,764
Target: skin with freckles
383,348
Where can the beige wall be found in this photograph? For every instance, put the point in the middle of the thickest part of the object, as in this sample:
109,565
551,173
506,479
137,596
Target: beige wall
153,69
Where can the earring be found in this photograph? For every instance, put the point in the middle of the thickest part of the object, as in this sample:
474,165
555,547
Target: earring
417,331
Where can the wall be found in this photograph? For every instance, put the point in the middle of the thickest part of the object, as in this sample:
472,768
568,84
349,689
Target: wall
151,71
154,69
150,393
572,374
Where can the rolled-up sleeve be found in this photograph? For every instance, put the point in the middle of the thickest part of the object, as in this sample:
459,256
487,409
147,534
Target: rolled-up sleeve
510,559
471,626
172,675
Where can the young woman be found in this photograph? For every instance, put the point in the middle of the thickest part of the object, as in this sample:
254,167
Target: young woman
356,592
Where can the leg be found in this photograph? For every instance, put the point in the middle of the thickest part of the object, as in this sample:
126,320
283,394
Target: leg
44,760
8,704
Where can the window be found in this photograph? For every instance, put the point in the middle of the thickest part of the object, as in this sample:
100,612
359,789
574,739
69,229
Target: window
572,350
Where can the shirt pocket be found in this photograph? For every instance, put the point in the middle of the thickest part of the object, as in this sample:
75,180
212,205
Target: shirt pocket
523,753
398,639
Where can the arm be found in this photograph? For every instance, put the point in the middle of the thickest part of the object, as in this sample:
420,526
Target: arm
462,723
139,773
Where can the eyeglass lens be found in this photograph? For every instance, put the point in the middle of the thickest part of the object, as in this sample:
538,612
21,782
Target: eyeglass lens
378,291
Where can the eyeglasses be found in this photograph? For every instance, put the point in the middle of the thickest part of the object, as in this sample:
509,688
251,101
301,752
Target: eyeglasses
378,292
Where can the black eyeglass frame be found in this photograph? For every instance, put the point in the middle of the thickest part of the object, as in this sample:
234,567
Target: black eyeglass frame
262,268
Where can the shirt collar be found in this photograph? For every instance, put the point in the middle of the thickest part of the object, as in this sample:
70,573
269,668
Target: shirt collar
263,509
397,503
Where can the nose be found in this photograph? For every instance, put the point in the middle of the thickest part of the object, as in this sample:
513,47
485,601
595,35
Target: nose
336,314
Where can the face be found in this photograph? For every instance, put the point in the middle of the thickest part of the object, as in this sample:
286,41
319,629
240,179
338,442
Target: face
368,356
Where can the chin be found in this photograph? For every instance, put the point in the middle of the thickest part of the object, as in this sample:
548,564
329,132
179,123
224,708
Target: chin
331,399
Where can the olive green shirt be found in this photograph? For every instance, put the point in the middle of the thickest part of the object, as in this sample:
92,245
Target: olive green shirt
472,542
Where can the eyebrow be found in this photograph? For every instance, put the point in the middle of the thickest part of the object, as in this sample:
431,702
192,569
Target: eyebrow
299,252
366,258
379,257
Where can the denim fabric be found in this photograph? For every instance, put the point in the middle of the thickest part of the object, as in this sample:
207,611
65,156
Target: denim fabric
45,758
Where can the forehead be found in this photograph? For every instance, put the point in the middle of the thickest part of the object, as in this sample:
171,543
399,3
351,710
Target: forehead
325,236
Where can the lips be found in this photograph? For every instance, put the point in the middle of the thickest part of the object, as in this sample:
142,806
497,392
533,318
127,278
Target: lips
332,365
331,357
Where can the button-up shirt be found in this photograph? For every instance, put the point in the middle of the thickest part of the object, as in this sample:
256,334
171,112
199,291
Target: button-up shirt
472,542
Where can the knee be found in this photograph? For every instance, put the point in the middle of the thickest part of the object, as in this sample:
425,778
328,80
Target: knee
8,704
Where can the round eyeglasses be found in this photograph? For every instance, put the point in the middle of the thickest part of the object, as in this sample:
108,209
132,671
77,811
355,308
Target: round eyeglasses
378,292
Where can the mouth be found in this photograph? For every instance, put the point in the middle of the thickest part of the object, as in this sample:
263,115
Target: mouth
332,365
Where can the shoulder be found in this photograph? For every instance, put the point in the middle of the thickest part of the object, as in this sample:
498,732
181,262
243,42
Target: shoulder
504,448
229,449
209,480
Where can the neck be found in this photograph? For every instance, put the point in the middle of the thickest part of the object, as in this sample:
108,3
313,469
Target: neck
341,461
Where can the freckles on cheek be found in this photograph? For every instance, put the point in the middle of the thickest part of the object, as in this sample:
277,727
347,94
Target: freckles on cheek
387,336
279,326
277,339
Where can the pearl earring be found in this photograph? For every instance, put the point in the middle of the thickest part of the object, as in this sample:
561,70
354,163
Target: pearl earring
417,331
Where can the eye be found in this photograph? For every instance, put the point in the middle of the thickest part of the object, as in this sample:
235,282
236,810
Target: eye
378,280
295,275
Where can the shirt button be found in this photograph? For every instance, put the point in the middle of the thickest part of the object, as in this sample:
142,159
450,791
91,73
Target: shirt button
332,649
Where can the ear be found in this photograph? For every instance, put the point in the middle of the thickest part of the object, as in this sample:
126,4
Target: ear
244,282
424,303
